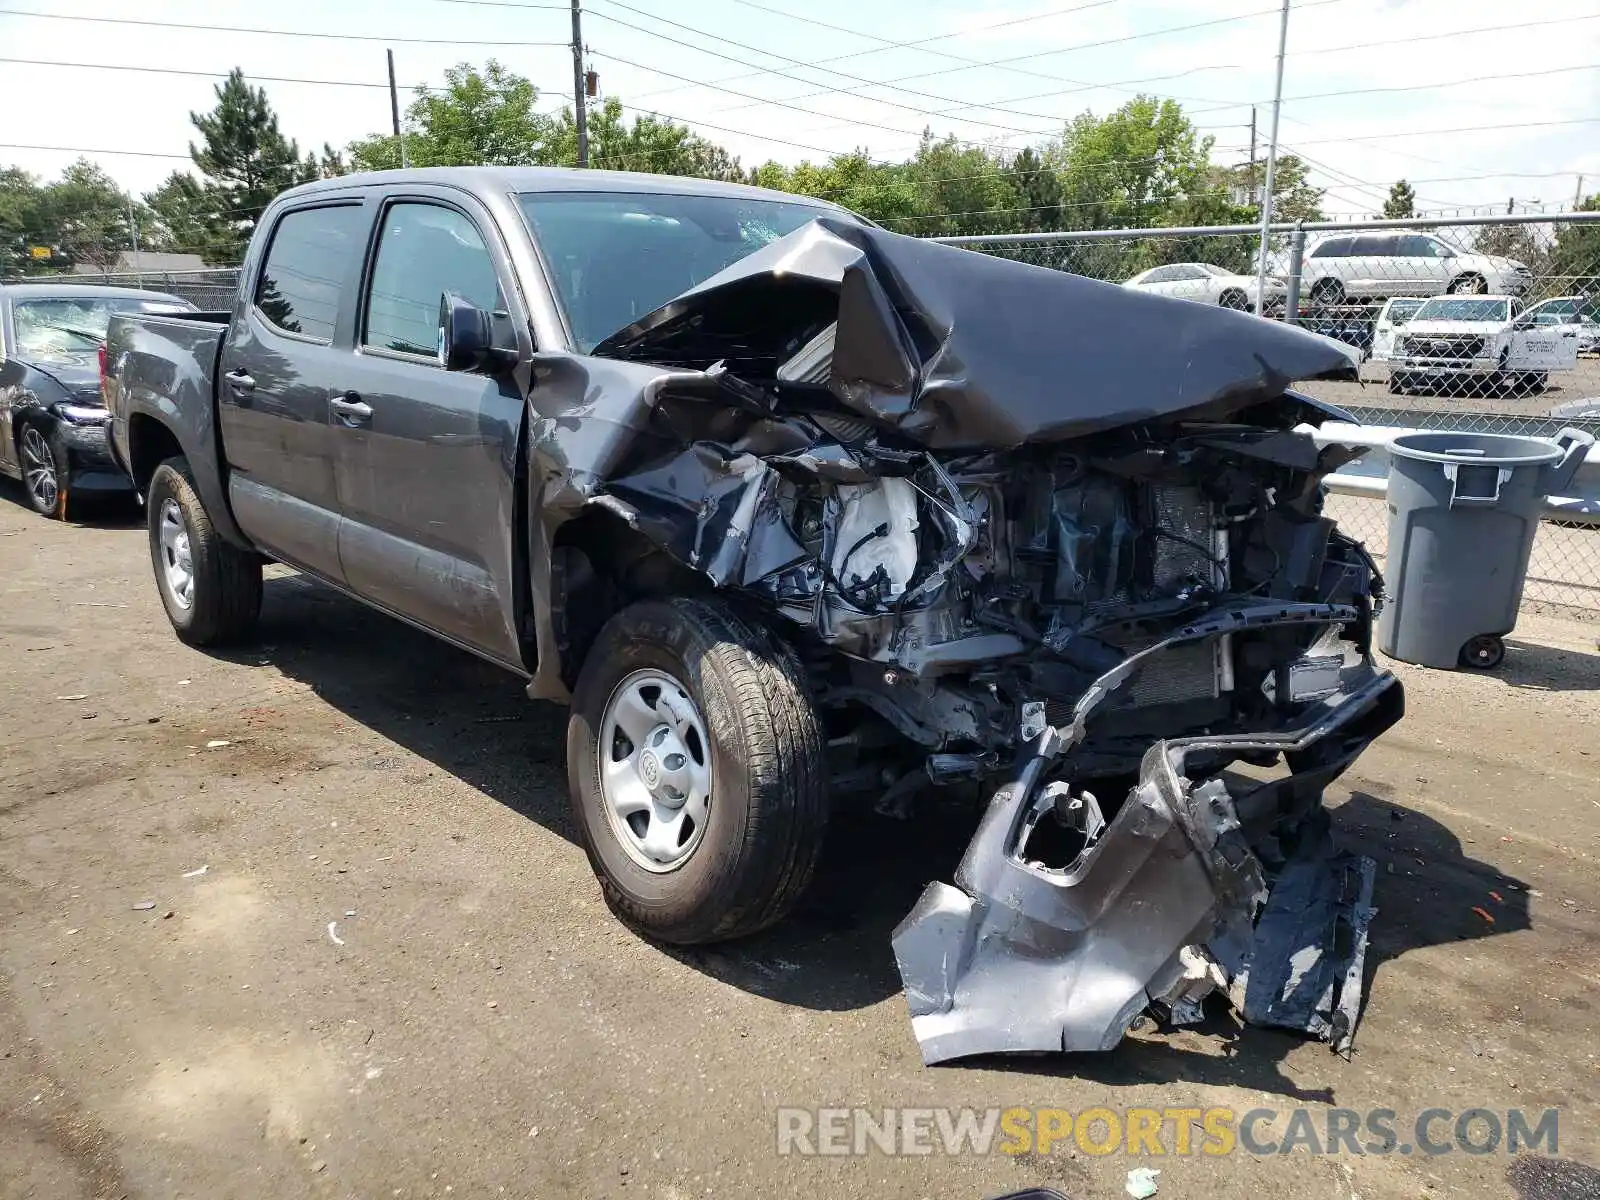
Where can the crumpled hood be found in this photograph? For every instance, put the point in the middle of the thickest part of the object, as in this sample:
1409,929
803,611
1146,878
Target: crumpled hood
961,350
78,375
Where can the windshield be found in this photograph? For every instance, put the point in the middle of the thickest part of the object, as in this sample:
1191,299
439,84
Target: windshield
1401,311
68,325
1218,271
1463,308
616,256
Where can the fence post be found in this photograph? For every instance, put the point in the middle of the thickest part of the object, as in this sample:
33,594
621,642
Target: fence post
1297,254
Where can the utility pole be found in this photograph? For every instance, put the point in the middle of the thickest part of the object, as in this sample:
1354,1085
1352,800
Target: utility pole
394,112
1272,161
1511,206
578,85
133,229
1577,196
1252,175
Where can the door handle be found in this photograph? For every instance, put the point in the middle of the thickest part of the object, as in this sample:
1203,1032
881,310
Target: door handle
350,408
239,382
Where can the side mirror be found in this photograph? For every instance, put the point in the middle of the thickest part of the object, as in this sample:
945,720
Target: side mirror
467,337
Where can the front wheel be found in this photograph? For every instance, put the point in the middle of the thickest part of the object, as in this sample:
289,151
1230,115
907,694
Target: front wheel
1468,285
210,589
696,771
1234,299
44,471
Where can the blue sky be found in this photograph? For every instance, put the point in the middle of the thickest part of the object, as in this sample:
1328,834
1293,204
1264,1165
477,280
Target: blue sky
776,87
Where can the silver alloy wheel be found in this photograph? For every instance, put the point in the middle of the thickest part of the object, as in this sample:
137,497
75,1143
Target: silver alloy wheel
39,469
177,564
1469,285
655,770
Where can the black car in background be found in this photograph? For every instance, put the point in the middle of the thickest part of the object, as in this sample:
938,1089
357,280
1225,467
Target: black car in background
52,422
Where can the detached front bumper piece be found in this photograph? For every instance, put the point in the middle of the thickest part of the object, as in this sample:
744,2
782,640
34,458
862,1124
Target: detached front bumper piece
1189,889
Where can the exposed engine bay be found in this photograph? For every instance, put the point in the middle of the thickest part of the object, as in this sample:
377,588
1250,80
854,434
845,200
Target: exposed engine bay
1087,580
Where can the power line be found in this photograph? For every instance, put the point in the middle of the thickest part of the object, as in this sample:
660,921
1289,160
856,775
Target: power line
1037,54
90,150
37,62
604,16
920,43
956,107
296,33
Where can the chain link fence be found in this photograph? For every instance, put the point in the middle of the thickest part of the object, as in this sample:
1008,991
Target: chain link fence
1489,326
211,289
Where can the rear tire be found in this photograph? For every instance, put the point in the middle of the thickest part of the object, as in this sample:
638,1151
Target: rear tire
1327,292
210,588
698,666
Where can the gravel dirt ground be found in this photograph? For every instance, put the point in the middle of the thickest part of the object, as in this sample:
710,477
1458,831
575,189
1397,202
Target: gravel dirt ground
309,920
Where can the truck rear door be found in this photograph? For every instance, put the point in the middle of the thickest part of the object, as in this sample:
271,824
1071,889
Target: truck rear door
425,459
279,364
1537,346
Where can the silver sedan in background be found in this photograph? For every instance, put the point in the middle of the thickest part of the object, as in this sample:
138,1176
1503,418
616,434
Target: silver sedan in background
1209,284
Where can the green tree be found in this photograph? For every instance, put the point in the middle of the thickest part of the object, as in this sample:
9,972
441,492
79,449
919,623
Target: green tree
1402,201
649,144
183,220
22,223
477,118
1134,168
1038,191
88,216
960,189
246,161
1574,262
878,191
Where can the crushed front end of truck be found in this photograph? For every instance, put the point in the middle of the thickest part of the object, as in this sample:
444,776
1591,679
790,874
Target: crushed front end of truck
1038,539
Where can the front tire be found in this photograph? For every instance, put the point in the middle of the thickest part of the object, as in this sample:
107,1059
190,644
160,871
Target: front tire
44,471
696,772
1234,299
1468,285
210,588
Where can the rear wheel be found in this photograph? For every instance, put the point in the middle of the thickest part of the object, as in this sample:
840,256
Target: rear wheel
210,588
1327,292
695,767
44,471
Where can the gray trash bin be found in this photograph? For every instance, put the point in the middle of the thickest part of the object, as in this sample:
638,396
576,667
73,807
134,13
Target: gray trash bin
1463,509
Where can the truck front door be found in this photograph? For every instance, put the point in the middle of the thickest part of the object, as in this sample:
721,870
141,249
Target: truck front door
278,363
427,460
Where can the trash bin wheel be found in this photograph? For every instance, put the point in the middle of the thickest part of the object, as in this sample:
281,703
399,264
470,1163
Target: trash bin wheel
1486,652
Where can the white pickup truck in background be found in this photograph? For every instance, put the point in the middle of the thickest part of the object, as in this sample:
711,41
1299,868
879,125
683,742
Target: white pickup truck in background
1457,344
1395,314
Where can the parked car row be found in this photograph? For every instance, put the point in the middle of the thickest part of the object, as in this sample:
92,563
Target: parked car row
52,420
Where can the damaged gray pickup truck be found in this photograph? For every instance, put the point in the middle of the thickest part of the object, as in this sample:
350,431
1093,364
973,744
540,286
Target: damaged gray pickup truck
796,514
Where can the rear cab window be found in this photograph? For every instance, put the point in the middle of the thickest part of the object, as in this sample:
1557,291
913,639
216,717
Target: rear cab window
307,264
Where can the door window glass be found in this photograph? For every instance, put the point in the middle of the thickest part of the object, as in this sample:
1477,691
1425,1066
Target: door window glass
306,265
424,251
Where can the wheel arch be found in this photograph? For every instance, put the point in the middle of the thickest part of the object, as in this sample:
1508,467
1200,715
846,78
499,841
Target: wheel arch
152,438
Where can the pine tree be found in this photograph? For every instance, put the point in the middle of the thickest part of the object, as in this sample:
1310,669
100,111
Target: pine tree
1402,201
246,162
